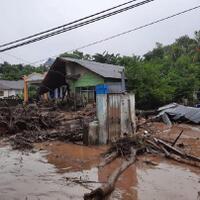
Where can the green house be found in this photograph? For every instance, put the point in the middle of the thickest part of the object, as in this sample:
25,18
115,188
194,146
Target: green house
80,77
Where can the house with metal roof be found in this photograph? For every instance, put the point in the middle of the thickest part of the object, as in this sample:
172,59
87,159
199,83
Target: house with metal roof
11,88
80,78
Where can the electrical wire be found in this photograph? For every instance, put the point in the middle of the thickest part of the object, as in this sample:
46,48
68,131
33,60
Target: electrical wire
77,25
70,23
126,32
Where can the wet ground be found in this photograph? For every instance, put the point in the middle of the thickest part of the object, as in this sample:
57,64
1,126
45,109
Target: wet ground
189,140
52,171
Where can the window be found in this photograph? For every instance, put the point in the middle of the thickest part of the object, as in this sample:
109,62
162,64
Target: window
87,94
1,93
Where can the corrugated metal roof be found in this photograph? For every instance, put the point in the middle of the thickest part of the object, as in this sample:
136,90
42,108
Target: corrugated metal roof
3,87
35,77
103,69
6,85
177,111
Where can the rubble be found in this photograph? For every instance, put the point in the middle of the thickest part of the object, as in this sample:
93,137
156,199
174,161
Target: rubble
26,125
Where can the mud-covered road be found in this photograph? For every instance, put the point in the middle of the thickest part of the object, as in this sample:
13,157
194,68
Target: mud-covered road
41,175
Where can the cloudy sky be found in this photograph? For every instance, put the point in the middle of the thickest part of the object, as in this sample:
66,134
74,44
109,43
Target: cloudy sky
19,18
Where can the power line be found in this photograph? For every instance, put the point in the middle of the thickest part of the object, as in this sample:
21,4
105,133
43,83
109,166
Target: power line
77,25
137,28
127,32
70,23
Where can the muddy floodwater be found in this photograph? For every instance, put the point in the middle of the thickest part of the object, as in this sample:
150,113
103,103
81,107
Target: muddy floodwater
46,175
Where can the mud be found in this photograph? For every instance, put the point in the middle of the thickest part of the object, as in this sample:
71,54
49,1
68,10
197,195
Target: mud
31,177
189,140
46,173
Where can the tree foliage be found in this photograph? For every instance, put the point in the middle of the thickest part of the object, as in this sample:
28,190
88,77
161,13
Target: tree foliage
16,72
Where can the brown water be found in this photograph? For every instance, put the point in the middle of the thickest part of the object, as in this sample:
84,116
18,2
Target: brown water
31,177
42,175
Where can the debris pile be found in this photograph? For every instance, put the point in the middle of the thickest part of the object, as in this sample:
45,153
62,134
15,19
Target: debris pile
29,124
19,118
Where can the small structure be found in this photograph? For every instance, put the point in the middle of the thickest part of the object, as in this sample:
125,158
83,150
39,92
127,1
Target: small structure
11,88
80,77
116,116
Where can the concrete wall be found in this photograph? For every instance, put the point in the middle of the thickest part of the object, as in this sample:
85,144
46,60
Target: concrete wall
87,78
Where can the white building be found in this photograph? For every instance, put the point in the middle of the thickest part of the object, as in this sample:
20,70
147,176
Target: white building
11,88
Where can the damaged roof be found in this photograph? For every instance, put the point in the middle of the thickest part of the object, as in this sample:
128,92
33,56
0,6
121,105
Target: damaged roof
57,73
178,111
103,69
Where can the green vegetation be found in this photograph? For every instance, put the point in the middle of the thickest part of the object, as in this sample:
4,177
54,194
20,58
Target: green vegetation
16,72
166,74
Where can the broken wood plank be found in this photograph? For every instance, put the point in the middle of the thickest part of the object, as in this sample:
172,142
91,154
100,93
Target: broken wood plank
175,141
184,161
178,152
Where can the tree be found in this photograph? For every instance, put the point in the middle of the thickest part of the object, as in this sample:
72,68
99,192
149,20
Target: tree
16,72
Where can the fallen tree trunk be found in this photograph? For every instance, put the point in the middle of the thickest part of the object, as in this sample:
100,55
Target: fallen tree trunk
106,189
108,159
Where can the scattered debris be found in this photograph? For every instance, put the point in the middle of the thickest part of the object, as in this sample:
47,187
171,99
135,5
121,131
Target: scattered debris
128,149
26,125
80,180
175,141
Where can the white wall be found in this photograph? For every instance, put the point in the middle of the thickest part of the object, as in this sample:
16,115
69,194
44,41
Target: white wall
8,93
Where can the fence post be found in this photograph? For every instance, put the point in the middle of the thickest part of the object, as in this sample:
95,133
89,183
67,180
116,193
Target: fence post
132,112
101,103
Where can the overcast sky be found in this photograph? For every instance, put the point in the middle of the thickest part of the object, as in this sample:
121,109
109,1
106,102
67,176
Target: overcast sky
19,18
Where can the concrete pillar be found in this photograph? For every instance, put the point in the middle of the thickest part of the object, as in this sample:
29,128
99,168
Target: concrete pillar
123,81
101,104
125,119
132,112
56,93
93,136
